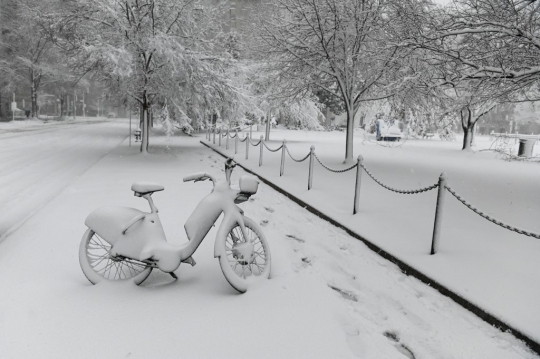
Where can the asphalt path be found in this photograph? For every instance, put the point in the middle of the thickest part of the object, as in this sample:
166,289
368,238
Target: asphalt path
38,162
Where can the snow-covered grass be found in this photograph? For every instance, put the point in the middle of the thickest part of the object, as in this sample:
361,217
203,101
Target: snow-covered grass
328,297
490,266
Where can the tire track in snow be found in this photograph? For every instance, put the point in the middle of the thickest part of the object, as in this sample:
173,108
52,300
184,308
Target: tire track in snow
32,184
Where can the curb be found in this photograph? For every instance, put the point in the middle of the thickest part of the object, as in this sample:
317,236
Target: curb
405,268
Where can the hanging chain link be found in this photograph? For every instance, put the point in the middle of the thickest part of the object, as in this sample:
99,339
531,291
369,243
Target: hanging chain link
271,150
255,145
294,159
244,140
492,220
231,136
425,189
333,170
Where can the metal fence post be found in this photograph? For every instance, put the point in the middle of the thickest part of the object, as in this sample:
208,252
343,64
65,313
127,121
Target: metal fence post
219,135
283,149
250,132
438,214
262,147
227,140
214,134
358,183
236,143
310,177
247,146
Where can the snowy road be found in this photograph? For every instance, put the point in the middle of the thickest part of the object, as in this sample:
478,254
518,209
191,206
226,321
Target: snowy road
39,161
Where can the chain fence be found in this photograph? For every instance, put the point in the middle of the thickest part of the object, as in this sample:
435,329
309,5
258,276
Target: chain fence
441,185
489,218
271,150
255,145
333,170
414,191
294,159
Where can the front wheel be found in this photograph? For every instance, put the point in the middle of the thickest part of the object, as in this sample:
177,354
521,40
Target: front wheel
245,261
99,265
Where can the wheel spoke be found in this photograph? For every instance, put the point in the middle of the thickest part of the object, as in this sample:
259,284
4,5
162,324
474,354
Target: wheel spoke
118,268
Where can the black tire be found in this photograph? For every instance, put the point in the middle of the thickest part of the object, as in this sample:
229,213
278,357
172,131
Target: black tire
97,264
240,272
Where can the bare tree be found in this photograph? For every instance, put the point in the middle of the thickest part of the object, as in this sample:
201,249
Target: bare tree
341,47
150,52
29,57
493,39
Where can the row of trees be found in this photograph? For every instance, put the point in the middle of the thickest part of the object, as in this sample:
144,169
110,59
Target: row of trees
450,64
453,63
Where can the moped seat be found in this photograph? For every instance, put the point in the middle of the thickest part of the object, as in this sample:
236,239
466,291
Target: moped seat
141,188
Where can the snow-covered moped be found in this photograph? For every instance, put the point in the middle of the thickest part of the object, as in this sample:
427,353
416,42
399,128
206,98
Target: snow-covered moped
126,244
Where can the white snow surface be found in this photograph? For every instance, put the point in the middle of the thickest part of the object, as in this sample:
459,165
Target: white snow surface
328,296
494,268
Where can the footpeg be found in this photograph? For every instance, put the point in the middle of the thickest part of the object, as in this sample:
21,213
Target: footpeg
190,260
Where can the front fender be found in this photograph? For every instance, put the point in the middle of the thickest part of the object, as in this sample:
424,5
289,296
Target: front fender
228,222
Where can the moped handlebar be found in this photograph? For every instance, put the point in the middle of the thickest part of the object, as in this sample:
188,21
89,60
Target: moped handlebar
200,176
195,176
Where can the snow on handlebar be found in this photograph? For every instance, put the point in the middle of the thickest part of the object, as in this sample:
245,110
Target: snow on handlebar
195,176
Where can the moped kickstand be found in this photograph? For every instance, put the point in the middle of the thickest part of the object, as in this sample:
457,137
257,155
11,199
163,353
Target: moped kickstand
189,260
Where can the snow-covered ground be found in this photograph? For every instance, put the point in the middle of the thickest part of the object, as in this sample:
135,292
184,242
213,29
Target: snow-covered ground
490,266
329,296
40,158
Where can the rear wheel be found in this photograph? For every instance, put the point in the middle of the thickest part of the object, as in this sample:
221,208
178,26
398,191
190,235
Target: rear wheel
246,260
99,265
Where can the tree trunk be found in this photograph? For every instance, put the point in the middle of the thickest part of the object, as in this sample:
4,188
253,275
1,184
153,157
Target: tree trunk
350,137
467,128
33,94
467,138
473,133
144,142
141,116
62,105
267,131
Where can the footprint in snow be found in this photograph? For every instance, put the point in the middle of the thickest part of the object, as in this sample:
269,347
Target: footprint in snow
269,209
295,238
402,348
344,293
264,223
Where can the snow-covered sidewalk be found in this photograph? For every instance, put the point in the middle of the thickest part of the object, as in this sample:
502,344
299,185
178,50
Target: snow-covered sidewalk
329,296
492,267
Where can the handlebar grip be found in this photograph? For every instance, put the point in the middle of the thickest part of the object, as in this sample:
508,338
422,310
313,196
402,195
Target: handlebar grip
194,176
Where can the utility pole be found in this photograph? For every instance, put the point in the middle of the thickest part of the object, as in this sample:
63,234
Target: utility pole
83,106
